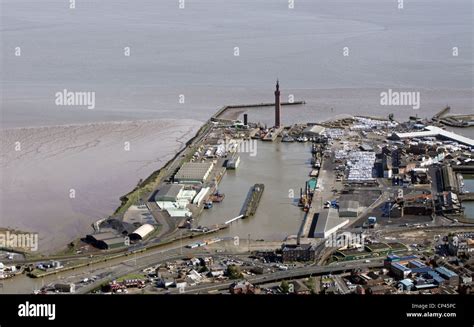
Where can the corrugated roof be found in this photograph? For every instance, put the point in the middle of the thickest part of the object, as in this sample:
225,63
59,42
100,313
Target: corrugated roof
417,263
421,270
437,278
328,220
144,230
315,129
115,240
168,191
103,236
446,272
436,131
407,282
400,267
193,171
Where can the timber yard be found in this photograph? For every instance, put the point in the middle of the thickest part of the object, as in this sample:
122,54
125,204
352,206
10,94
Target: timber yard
363,205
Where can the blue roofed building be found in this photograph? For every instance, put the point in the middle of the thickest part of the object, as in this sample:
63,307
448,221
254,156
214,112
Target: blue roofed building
416,264
449,275
395,258
399,270
421,270
437,279
406,284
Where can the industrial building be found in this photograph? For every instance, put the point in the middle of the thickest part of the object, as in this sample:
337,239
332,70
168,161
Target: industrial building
141,232
395,258
201,196
105,241
406,284
448,179
168,192
174,198
298,252
327,223
400,270
451,277
433,131
313,131
193,172
349,208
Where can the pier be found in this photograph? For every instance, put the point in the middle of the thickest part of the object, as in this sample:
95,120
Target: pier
253,105
253,200
272,135
234,219
441,113
467,169
466,197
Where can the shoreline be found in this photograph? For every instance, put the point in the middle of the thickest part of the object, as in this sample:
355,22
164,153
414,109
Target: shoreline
153,179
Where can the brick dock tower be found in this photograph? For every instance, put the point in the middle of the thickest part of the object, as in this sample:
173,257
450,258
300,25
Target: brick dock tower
277,105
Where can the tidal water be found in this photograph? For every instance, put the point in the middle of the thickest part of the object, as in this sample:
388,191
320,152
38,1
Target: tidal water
152,61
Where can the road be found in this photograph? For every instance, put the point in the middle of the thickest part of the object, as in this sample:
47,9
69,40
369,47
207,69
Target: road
281,275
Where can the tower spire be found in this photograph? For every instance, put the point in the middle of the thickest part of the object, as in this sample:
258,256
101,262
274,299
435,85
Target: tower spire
277,104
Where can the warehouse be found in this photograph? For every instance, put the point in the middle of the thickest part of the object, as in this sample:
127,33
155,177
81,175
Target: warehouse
105,241
141,232
174,198
348,208
194,172
448,179
201,196
328,222
169,192
312,131
451,277
433,131
94,238
112,243
399,270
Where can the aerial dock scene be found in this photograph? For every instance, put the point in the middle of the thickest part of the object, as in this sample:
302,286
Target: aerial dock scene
240,188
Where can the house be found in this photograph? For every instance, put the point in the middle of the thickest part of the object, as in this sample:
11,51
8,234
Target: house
299,287
243,287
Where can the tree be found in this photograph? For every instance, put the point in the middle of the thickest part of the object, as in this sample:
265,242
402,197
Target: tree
234,272
285,287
